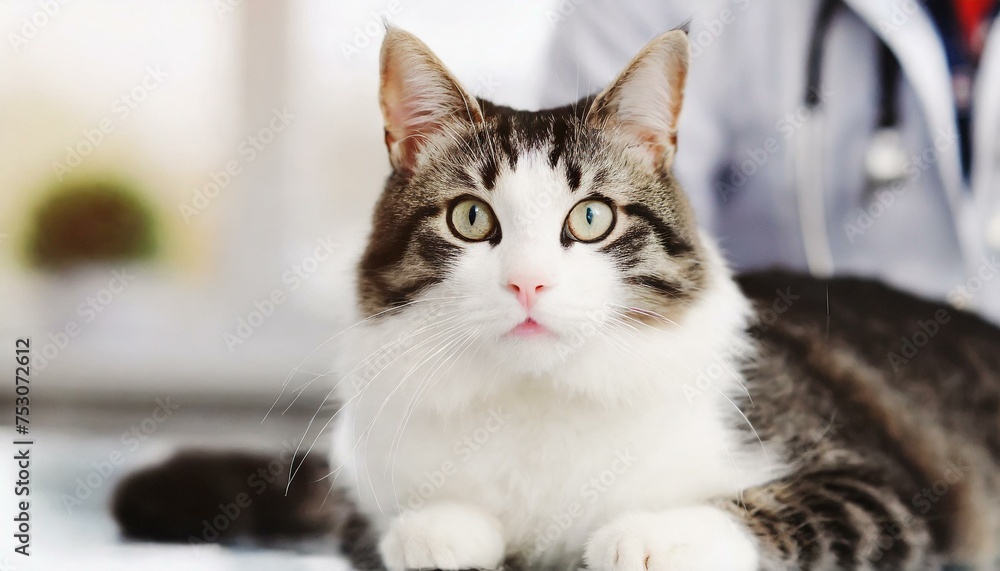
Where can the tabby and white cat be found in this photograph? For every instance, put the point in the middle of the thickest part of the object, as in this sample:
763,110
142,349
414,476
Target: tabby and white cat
555,368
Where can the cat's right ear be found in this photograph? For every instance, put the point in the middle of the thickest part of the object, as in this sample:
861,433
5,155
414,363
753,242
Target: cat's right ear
645,101
419,97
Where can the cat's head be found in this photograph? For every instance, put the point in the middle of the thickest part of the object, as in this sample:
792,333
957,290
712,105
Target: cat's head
529,230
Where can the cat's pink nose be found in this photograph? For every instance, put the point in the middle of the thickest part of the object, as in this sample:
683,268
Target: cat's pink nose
526,290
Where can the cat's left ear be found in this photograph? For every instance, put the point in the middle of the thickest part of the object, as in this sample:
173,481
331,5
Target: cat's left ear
419,97
644,101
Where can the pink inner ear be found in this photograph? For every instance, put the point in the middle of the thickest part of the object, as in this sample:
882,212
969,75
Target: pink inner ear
652,146
399,110
418,97
645,100
411,119
409,126
410,114
395,109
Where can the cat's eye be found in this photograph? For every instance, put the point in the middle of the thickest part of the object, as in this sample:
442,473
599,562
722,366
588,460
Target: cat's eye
590,220
471,219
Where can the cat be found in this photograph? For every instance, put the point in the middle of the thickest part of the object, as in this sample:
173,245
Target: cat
554,368
570,375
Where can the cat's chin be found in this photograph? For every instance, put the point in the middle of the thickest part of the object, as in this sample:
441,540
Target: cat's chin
536,352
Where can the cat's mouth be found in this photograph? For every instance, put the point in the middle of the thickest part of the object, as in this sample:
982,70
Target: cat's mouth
528,328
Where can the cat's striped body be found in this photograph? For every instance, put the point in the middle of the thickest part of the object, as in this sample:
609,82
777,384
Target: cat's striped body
888,406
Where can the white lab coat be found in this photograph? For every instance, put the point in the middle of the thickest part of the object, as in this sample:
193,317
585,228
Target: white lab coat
801,202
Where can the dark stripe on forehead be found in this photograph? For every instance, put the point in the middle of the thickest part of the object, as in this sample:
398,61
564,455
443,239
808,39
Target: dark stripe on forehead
488,172
573,174
667,236
503,141
560,133
498,145
559,130
464,178
600,178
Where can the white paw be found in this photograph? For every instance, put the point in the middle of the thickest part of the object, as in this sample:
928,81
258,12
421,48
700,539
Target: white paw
443,536
700,538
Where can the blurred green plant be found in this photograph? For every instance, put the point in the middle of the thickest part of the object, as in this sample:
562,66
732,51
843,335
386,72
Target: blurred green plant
94,221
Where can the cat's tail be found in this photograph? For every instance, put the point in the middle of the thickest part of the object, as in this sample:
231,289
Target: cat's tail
202,497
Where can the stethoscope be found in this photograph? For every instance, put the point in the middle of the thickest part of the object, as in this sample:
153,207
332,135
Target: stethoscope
885,157
885,160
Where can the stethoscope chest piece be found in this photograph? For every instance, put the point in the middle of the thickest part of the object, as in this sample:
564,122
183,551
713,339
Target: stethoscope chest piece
993,231
885,159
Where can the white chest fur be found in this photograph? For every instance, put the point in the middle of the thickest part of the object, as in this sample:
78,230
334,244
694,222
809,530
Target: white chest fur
550,464
552,475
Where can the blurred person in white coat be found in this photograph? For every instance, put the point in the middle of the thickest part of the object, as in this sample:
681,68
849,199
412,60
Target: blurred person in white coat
838,137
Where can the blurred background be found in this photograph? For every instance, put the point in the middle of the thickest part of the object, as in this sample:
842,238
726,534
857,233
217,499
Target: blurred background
185,185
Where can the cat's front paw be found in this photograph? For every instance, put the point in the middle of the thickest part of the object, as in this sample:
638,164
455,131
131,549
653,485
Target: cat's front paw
700,538
443,536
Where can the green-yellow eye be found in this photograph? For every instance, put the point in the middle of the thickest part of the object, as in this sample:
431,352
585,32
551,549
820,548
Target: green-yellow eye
471,219
590,220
